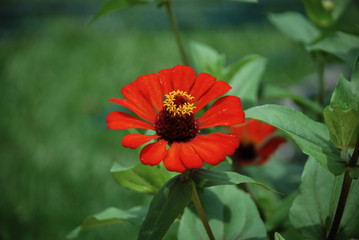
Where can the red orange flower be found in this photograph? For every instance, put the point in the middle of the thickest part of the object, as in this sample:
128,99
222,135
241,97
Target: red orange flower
168,103
257,142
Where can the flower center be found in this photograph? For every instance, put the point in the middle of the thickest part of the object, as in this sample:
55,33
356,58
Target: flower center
246,152
176,103
176,121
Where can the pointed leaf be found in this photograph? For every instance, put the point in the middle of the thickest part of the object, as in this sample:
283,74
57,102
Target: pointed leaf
345,95
312,137
231,214
110,216
313,209
165,206
343,126
113,5
244,76
295,26
207,59
342,45
141,178
277,236
205,178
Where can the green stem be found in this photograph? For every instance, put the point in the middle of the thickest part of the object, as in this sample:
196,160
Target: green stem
200,211
344,194
321,68
176,32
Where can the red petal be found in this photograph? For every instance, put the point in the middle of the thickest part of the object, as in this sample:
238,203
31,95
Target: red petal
136,140
153,153
183,78
225,111
269,148
133,108
165,77
258,131
120,120
172,160
138,95
218,89
203,82
154,88
213,148
189,157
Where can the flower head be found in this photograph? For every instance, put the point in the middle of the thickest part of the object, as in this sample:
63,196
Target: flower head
167,103
257,142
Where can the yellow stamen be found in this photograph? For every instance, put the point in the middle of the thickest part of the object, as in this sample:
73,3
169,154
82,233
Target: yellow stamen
182,109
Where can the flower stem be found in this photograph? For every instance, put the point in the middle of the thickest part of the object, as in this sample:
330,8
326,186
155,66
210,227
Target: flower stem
321,68
344,194
176,32
200,211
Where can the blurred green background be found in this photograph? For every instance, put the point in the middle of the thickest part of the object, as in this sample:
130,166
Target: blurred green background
57,74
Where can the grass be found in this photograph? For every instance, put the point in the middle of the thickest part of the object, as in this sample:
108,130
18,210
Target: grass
55,149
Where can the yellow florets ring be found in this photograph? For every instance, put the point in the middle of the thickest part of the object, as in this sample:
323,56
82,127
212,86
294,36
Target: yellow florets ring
177,103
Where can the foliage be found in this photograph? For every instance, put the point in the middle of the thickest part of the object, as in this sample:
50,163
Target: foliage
53,125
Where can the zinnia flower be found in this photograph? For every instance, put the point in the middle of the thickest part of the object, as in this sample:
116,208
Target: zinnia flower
257,142
168,103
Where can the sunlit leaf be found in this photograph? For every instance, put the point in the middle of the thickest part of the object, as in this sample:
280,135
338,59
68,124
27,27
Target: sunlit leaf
313,209
165,206
207,59
342,45
205,178
113,5
343,126
312,137
110,216
231,214
295,26
244,76
141,178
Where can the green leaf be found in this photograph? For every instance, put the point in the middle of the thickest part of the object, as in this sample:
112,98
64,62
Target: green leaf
312,137
318,12
114,5
205,178
207,59
295,26
313,210
342,45
343,126
166,205
244,76
345,95
141,178
249,1
277,236
231,214
325,13
110,216
280,215
273,91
